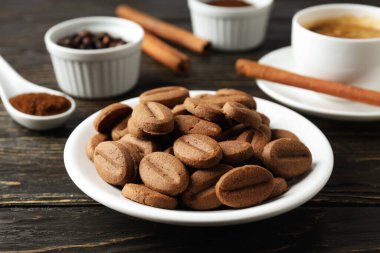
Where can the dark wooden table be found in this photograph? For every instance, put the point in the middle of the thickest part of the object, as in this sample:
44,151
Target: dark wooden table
42,210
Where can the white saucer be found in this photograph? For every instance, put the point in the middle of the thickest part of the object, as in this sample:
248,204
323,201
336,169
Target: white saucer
310,102
84,175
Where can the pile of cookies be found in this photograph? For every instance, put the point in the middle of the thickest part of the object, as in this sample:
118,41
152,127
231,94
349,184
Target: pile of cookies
201,152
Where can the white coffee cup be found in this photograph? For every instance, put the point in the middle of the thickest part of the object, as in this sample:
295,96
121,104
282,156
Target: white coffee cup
331,58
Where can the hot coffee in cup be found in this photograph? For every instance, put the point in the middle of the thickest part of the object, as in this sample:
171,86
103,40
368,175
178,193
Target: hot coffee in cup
350,27
337,42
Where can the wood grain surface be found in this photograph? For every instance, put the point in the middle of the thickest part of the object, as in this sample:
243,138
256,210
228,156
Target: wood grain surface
41,210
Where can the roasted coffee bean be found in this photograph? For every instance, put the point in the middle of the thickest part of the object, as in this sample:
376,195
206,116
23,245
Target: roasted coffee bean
164,173
120,129
189,124
93,142
153,118
114,163
282,133
198,151
88,40
110,116
200,194
235,152
143,195
204,110
280,186
144,146
242,114
244,186
287,158
169,96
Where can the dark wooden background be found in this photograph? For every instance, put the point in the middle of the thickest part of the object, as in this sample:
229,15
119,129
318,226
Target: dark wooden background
42,210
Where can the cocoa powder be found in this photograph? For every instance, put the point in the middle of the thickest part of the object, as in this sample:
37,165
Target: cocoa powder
40,104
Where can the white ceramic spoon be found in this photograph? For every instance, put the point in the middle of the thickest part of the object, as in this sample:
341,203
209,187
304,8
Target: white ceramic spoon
12,84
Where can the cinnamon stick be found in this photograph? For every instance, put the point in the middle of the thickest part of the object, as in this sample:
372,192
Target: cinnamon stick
164,29
165,54
258,71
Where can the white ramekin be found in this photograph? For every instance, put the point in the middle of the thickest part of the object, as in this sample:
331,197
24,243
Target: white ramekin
231,28
335,59
96,73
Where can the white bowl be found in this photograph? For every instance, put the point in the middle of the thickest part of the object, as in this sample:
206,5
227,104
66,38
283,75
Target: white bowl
231,28
96,73
84,175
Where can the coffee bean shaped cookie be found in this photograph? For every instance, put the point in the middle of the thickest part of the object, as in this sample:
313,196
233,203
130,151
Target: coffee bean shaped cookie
144,146
253,160
164,173
135,131
221,100
266,130
153,118
282,133
235,151
168,96
204,110
244,186
204,96
242,114
287,158
228,92
280,186
120,129
114,163
180,110
169,150
198,151
258,140
143,195
134,152
189,124
110,116
232,132
264,119
93,142
200,194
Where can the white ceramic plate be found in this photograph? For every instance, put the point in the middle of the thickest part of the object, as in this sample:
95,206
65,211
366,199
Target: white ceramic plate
311,102
84,175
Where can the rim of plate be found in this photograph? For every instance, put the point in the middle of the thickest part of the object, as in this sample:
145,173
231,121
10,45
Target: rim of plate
110,196
265,86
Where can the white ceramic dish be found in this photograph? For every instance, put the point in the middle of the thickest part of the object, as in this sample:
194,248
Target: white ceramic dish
96,73
231,28
84,175
311,102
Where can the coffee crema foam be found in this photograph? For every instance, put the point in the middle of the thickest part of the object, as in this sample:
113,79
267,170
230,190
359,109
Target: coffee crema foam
350,27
